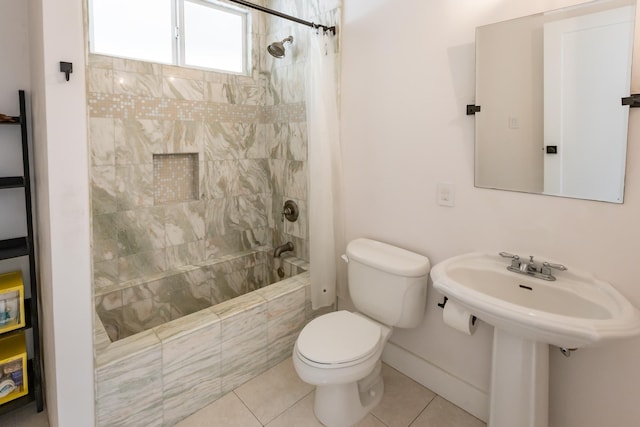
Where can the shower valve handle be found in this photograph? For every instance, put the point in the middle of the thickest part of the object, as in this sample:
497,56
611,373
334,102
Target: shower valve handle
290,211
285,212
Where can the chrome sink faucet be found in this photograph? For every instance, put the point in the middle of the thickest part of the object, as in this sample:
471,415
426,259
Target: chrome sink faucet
531,267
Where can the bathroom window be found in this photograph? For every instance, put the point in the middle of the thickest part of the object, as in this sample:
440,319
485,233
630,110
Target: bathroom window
212,37
194,33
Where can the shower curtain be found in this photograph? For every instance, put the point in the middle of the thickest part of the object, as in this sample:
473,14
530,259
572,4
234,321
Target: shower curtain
326,229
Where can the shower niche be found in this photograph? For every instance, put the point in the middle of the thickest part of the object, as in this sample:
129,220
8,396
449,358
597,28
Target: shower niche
175,178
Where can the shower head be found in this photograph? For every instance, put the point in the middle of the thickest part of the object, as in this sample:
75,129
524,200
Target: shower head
276,49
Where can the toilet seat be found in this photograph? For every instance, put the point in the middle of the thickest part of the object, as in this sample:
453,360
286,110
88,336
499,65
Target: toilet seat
339,339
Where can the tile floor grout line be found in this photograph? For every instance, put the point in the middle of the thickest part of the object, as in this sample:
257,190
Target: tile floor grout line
280,413
374,416
246,406
423,409
289,407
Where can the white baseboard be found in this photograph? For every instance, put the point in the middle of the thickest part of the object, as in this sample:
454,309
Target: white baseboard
455,390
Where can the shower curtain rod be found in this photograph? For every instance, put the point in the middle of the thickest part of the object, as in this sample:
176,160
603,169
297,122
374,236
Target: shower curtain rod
282,15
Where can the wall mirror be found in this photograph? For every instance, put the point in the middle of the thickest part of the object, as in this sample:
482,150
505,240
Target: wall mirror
549,91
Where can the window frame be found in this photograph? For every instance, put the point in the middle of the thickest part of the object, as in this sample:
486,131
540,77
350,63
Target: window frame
178,38
180,27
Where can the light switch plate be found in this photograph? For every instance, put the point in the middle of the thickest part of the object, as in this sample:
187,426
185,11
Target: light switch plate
446,194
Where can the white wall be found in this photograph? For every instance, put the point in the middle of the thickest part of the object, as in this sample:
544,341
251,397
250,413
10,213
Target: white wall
60,145
14,75
14,53
407,74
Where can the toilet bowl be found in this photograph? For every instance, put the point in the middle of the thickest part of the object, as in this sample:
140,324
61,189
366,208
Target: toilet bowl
340,352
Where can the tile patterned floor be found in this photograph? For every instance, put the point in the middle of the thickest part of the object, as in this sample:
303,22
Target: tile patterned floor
278,398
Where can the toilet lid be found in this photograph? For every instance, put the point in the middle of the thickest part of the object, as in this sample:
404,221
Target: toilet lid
338,337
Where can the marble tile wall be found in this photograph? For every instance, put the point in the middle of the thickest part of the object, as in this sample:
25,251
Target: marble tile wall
138,110
285,111
129,383
170,296
164,374
190,365
245,175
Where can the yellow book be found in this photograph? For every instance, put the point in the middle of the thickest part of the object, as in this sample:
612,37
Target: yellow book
11,301
13,368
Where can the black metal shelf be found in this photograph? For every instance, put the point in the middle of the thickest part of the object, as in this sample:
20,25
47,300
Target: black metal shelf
19,247
13,248
12,182
16,121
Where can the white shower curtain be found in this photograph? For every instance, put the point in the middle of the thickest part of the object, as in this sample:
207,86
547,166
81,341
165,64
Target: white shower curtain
326,229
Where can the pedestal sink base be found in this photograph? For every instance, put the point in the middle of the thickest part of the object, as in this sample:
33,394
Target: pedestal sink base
574,311
519,393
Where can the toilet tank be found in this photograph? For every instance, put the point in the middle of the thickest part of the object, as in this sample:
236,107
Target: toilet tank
387,283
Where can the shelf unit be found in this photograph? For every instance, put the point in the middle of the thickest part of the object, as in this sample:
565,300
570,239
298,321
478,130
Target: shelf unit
24,247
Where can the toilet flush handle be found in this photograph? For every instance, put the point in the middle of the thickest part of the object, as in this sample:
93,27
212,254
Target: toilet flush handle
344,258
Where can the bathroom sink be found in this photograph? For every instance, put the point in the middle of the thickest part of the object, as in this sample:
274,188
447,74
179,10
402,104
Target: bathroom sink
575,310
561,306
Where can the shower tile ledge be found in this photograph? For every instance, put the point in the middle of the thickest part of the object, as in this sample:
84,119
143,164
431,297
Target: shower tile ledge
117,351
280,288
186,325
104,290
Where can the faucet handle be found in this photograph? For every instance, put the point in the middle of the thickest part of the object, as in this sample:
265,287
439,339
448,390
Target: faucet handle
556,266
515,260
285,212
508,255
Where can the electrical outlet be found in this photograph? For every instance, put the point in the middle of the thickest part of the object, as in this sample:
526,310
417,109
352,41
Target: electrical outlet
446,194
514,122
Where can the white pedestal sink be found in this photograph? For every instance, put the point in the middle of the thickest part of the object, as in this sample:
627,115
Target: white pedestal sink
519,382
528,314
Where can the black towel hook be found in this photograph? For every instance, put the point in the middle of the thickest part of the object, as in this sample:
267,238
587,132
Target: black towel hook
66,68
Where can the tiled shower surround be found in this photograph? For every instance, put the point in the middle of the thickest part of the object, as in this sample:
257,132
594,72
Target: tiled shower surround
246,169
183,253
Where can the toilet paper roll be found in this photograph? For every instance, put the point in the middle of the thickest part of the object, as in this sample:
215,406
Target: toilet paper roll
459,318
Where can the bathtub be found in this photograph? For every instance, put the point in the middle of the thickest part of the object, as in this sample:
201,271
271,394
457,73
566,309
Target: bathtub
170,345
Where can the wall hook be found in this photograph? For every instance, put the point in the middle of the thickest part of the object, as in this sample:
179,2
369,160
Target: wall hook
632,101
472,109
66,68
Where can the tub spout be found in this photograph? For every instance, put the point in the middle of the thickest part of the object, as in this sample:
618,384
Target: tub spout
282,248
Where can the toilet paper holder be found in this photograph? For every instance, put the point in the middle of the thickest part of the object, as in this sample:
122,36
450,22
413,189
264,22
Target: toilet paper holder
444,302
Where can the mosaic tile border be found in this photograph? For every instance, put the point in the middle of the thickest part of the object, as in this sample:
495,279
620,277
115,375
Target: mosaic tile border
122,106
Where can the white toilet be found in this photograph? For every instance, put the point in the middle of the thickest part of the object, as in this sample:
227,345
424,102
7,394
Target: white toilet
340,352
